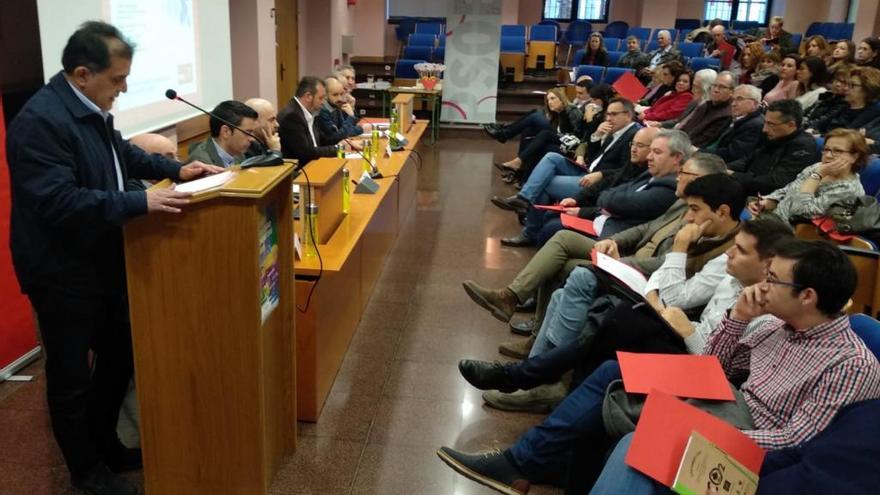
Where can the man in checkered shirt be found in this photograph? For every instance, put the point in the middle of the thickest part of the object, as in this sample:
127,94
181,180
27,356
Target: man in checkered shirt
797,368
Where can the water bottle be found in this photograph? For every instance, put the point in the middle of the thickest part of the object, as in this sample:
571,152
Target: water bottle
310,230
374,147
368,167
346,190
395,123
340,151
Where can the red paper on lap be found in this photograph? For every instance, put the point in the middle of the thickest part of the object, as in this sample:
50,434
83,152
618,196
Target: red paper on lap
682,375
582,225
629,87
556,208
662,434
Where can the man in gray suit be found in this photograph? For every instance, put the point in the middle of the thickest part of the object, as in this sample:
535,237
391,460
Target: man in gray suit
227,145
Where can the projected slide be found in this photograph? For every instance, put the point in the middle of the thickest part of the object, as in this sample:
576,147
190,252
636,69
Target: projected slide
166,46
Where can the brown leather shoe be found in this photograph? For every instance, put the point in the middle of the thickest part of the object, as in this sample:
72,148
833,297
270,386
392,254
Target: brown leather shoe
500,302
517,349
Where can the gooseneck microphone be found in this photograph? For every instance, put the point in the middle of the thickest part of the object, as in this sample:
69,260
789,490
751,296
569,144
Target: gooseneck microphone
266,158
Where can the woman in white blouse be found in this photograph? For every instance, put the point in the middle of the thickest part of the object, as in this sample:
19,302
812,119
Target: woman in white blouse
812,76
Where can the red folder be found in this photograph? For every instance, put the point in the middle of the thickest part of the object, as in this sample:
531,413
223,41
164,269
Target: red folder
682,375
556,208
629,87
582,225
662,435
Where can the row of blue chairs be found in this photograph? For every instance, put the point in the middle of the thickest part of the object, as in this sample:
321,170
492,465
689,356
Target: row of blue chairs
426,39
692,61
831,30
425,53
599,74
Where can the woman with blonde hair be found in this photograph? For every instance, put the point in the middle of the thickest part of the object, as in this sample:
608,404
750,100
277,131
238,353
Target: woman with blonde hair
833,180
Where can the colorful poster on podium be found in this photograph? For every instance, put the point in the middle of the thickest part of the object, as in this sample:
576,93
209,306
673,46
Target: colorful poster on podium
473,44
268,241
18,338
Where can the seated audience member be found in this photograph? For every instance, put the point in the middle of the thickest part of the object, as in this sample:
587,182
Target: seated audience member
595,52
816,46
544,224
786,151
701,89
709,120
641,247
650,194
664,53
336,119
720,48
612,142
831,103
527,126
766,76
868,53
812,76
634,58
743,261
817,187
787,87
656,87
564,118
790,390
776,37
156,143
841,455
673,103
745,130
346,75
267,123
714,206
750,61
300,136
226,146
863,97
582,92
843,54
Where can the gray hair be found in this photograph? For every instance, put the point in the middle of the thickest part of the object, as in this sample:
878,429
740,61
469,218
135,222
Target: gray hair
706,77
709,163
678,142
341,68
733,79
750,92
664,31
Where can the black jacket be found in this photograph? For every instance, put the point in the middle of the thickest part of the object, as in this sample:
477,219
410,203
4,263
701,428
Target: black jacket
852,119
740,137
67,209
586,198
828,107
708,122
775,163
601,58
616,155
637,201
296,142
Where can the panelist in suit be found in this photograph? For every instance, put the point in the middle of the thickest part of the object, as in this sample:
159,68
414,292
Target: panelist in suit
227,146
68,169
336,119
300,137
267,125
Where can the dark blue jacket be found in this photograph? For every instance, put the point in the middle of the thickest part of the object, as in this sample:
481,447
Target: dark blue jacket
67,210
335,125
842,459
629,206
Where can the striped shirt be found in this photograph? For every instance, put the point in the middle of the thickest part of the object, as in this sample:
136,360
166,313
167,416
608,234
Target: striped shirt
797,380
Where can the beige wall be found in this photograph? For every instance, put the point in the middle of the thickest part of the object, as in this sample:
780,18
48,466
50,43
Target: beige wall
252,33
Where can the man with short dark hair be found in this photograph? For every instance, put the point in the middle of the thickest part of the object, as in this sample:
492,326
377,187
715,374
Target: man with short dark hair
582,92
227,145
300,137
68,169
786,151
336,120
797,369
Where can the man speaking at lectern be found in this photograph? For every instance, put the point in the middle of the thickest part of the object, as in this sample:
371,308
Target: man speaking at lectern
68,168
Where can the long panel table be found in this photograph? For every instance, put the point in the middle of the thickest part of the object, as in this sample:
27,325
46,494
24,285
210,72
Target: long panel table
349,265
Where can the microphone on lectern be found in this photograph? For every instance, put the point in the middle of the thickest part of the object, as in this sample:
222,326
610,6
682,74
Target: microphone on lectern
266,158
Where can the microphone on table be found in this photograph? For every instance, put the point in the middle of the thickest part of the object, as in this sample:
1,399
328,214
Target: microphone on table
374,170
266,158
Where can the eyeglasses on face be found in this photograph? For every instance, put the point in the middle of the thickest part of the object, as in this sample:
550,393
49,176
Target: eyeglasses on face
614,114
834,151
771,279
720,86
692,174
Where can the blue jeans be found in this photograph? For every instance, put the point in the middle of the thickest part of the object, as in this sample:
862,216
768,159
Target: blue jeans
567,312
530,125
552,180
618,477
578,418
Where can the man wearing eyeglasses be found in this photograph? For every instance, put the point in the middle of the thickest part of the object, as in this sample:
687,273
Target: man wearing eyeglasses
744,132
711,117
786,151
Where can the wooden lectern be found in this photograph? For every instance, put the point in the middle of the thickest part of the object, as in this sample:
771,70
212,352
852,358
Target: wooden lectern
212,312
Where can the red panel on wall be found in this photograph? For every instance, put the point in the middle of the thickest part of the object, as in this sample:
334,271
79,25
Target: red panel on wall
17,336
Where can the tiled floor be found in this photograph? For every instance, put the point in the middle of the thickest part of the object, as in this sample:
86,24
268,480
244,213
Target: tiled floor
398,396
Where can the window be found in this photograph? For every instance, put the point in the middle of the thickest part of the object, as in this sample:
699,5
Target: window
569,10
738,10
